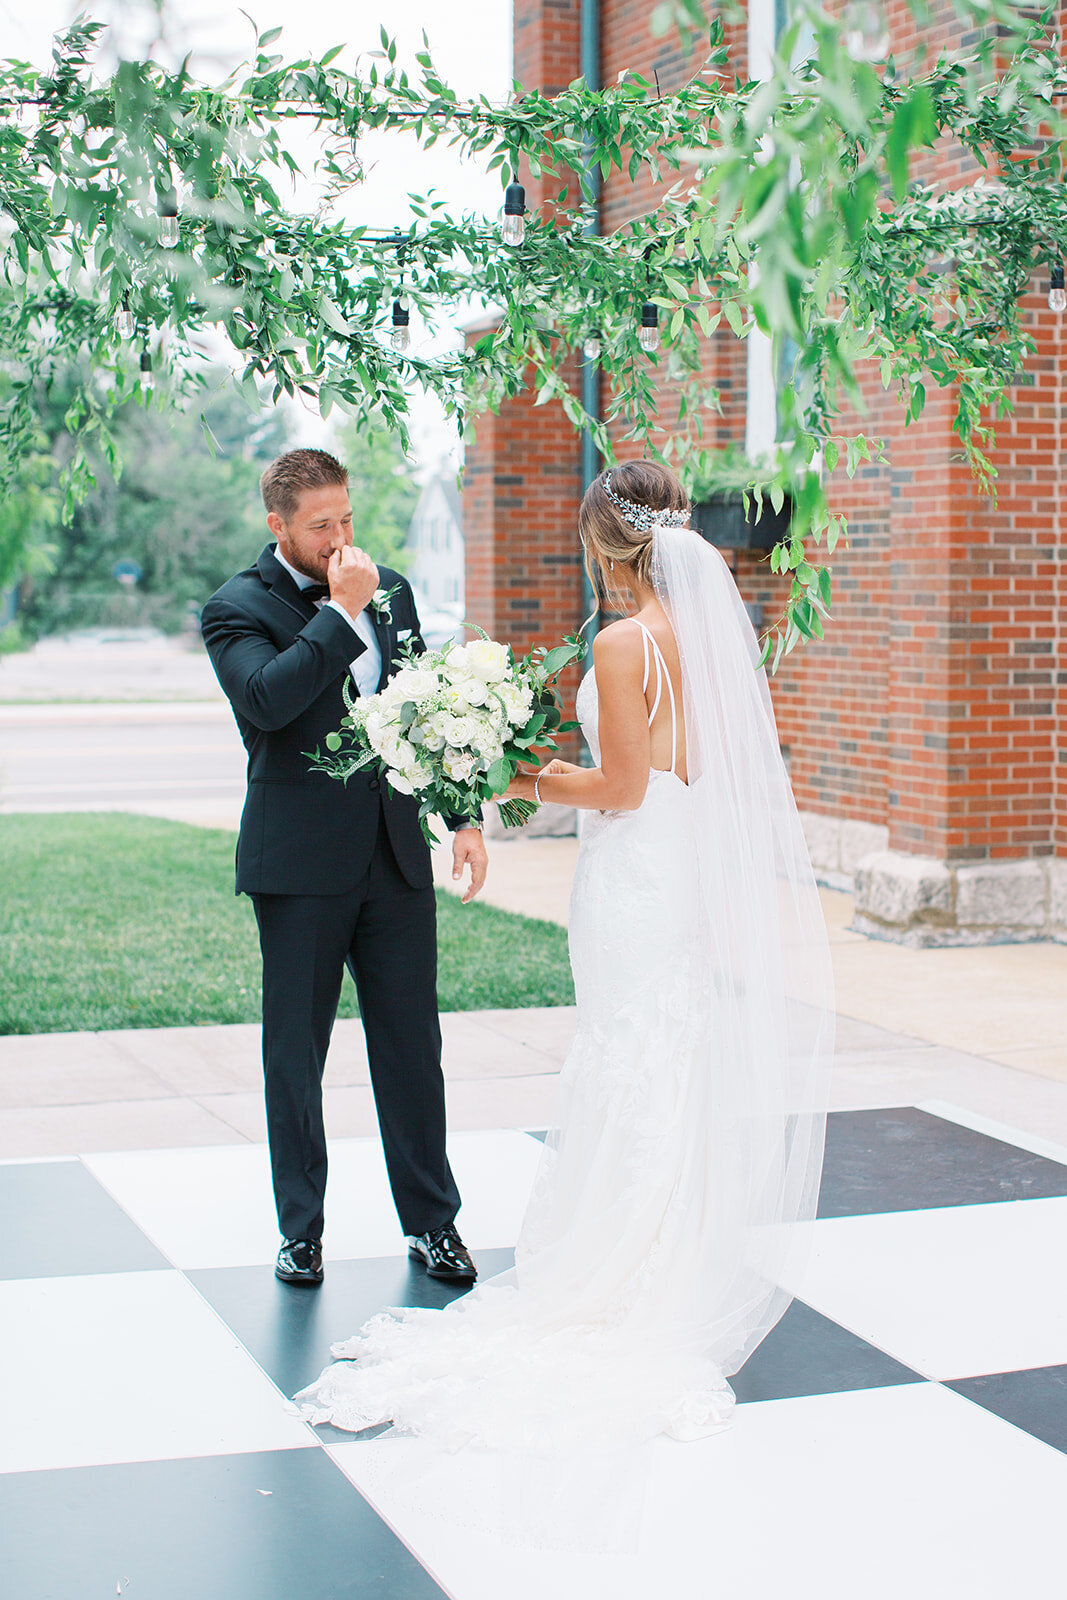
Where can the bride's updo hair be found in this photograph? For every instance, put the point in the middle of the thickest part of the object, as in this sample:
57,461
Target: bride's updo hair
608,536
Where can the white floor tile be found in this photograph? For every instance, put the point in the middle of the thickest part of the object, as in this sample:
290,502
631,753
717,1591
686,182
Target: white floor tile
214,1207
951,1292
996,1130
128,1367
878,1493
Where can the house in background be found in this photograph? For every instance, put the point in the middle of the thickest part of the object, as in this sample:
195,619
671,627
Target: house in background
436,544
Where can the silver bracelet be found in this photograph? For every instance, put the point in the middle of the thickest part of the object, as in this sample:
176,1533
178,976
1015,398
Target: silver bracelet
537,789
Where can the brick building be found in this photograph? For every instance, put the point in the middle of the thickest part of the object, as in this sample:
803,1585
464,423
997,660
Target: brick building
927,737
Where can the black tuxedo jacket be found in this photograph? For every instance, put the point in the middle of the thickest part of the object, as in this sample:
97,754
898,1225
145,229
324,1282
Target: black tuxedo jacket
282,664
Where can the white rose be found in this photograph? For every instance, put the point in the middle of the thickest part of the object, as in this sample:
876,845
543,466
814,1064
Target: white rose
418,682
433,738
488,660
401,784
459,730
456,662
474,690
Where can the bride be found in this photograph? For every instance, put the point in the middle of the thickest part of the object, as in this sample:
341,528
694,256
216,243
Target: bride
666,1228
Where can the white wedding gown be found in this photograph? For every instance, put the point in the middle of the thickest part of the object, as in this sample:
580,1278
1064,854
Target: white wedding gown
655,1251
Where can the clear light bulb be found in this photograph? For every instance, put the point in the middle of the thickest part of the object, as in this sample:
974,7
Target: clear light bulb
169,232
1057,293
401,336
513,231
593,344
125,326
648,333
865,31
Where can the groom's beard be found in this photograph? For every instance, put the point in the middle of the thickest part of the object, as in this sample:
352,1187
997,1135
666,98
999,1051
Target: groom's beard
312,565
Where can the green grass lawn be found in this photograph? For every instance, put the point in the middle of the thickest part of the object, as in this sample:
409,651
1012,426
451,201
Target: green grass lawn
114,921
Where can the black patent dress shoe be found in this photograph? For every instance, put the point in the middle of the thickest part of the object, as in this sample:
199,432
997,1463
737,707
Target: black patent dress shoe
300,1261
444,1255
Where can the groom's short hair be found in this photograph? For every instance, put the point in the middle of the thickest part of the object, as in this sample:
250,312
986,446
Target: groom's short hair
283,482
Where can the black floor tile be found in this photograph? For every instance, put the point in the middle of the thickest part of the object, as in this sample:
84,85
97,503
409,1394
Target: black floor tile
200,1530
808,1354
59,1222
1035,1401
904,1159
289,1330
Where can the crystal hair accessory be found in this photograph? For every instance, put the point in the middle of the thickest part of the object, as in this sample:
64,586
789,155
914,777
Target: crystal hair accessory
642,518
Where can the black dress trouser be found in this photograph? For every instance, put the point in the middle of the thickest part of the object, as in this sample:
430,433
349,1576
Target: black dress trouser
386,933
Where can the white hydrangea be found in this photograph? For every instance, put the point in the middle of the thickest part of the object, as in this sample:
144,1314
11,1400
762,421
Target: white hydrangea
429,735
459,765
518,703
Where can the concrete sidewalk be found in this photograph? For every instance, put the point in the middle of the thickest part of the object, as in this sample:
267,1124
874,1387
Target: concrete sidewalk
982,1029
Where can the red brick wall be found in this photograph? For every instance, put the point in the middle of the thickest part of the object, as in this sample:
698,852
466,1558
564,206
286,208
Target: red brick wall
938,703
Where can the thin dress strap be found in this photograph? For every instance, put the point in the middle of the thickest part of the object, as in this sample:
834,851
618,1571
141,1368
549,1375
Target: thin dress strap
661,674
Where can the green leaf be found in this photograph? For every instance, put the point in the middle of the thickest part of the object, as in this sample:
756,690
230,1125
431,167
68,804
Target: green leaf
500,775
333,740
333,318
559,657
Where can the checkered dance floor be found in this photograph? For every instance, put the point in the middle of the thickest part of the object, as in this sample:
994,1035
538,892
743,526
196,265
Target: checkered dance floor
903,1431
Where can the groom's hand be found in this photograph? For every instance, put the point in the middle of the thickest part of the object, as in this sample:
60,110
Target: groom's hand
353,578
468,849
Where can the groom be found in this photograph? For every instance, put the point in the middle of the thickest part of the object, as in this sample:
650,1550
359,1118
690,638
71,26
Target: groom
339,874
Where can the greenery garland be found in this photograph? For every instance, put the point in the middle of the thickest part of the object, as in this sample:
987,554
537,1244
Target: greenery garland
784,205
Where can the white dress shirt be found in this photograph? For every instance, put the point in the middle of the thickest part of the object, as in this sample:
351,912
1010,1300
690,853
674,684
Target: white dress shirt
367,668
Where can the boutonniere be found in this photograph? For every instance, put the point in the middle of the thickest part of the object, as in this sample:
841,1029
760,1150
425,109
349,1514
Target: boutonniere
380,602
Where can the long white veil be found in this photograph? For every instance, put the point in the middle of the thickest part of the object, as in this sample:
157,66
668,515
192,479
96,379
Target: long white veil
766,961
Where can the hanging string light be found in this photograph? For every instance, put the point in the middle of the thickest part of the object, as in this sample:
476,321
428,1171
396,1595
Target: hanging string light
401,336
648,333
147,377
169,232
865,31
125,326
513,231
1057,294
593,344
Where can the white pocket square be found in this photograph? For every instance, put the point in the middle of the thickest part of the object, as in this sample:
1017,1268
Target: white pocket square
403,633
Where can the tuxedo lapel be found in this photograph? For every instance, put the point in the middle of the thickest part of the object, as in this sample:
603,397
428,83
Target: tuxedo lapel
383,632
282,587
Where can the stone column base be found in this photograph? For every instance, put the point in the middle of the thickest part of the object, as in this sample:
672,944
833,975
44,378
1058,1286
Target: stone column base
922,902
837,845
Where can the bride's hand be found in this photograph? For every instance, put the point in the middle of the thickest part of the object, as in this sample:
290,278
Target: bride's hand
521,787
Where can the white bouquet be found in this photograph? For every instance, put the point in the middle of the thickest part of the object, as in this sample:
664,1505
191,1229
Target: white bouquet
452,725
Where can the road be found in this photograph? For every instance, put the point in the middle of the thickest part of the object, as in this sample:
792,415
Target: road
164,759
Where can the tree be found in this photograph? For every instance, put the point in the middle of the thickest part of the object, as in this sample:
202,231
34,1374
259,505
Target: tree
185,509
789,206
382,489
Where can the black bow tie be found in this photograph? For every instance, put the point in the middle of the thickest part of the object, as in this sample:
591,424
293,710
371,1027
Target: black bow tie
316,591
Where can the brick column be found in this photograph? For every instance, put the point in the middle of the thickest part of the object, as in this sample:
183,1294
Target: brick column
522,481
